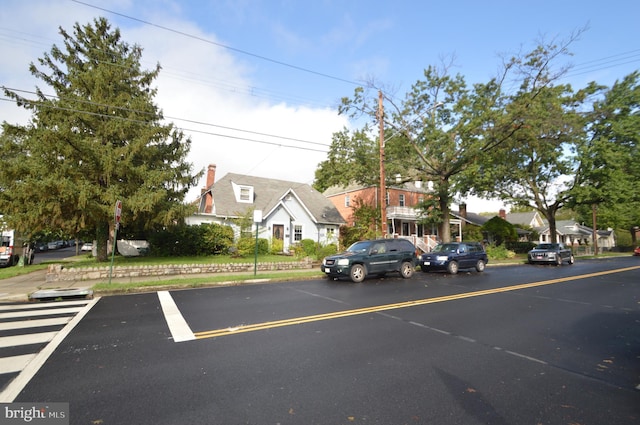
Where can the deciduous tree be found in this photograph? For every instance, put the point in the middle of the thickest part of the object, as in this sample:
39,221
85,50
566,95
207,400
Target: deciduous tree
609,170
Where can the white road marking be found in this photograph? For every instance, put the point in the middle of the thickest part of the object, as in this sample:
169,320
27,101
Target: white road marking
25,324
11,391
27,339
46,312
15,363
42,305
180,330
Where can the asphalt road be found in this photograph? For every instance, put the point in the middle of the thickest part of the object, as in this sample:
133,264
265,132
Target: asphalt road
513,345
54,254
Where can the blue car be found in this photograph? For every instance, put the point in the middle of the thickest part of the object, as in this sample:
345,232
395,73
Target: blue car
454,256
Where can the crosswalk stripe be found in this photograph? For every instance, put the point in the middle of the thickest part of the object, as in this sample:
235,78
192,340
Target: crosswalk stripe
16,340
26,324
33,306
15,363
179,328
32,313
11,391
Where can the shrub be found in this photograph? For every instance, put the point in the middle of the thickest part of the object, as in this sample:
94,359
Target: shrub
247,246
277,246
217,238
499,252
520,247
327,250
309,247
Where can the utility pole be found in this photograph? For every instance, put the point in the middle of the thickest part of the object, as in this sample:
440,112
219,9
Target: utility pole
383,188
595,231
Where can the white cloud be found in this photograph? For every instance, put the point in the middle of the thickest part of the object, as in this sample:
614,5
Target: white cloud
199,82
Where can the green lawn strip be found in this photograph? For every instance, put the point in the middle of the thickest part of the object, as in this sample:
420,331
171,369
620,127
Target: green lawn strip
195,282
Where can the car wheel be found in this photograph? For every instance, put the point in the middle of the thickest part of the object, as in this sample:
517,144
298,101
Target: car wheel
480,266
452,267
406,269
559,260
572,259
357,273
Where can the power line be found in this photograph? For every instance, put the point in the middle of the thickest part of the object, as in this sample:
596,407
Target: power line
97,114
120,108
244,52
178,74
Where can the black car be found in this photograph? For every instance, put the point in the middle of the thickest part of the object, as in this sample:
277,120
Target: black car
373,257
551,253
453,256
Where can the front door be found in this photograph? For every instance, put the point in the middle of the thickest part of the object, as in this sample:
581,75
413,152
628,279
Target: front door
278,231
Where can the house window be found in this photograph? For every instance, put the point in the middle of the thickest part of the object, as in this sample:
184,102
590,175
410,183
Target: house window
401,200
347,201
297,232
331,233
245,194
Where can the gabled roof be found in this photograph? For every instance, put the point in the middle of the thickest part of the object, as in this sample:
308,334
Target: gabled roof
569,227
471,218
416,187
531,218
267,195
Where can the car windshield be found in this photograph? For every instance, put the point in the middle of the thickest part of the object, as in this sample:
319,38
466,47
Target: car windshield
546,246
359,247
446,247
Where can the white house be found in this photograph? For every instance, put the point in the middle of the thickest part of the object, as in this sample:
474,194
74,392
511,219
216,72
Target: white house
568,232
290,211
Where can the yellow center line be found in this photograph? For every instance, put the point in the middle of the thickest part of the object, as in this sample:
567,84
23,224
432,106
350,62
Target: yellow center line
385,307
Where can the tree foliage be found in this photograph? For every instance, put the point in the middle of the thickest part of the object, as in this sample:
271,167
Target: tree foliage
499,231
95,137
433,135
535,165
608,173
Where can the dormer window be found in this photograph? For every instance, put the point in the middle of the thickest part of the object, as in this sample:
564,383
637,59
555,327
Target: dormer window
243,193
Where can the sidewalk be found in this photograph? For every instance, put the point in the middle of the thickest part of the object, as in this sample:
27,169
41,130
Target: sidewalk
18,288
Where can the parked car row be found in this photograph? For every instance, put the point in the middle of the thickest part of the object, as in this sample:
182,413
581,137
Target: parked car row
47,246
381,256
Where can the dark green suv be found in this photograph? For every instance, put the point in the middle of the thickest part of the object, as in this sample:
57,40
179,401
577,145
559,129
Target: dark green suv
375,257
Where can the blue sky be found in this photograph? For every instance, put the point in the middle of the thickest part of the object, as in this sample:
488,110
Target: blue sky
287,63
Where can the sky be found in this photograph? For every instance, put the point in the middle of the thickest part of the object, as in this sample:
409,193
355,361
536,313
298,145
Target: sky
255,84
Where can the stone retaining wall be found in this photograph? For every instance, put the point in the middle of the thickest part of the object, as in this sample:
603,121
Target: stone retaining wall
56,272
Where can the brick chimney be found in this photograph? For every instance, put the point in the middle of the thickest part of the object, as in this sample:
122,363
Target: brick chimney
463,210
502,214
211,175
208,196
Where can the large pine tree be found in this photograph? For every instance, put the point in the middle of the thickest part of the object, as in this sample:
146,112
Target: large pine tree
95,136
